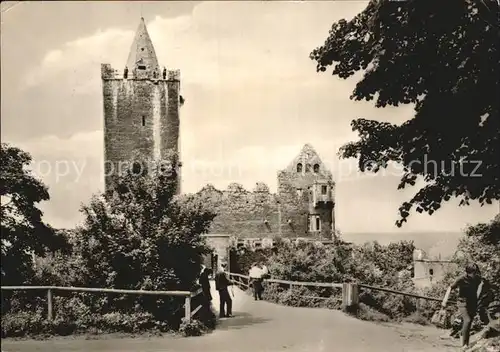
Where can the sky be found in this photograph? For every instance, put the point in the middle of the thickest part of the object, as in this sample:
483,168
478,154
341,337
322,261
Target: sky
253,99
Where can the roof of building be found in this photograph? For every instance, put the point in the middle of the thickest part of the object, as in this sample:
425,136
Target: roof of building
308,155
142,51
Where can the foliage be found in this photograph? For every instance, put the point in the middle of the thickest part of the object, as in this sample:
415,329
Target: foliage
480,245
144,237
23,231
427,53
139,236
241,259
372,264
192,328
28,323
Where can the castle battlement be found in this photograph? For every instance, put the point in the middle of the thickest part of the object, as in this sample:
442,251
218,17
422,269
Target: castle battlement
108,73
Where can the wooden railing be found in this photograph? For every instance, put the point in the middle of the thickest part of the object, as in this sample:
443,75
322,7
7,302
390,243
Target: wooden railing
350,291
188,295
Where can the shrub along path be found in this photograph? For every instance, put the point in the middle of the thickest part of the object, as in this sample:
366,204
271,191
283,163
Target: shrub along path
264,326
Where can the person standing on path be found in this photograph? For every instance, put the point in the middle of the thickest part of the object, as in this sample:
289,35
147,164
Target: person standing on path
222,284
205,285
255,275
471,290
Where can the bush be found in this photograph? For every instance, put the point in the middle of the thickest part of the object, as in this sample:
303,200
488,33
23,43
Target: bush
192,328
300,296
243,258
370,264
22,324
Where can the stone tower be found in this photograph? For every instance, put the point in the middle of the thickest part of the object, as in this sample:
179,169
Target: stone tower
141,109
306,187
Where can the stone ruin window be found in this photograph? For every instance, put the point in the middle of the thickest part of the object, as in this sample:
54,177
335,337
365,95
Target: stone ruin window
143,121
431,272
314,223
141,67
299,167
324,189
308,167
316,168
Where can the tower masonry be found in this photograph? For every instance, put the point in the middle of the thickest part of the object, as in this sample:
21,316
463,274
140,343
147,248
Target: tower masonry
141,110
308,186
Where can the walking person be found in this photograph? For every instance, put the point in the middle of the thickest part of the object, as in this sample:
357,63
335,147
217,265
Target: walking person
472,299
222,284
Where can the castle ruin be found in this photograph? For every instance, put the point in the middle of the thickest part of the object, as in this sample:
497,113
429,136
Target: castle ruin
141,122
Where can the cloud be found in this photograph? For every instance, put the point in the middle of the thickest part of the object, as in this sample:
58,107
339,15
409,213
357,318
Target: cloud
80,60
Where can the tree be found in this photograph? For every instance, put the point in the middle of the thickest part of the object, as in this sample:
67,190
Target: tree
141,235
443,57
23,231
481,245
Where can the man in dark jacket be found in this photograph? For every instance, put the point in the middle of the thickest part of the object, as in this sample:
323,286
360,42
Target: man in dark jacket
205,284
222,284
473,298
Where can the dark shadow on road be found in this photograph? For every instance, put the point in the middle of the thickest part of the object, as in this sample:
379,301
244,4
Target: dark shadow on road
240,320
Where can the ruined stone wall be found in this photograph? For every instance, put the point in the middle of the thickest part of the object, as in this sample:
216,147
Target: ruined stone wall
300,205
141,119
257,213
426,272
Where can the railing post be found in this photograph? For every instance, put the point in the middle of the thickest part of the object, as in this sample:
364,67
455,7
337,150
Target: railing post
350,296
49,304
187,309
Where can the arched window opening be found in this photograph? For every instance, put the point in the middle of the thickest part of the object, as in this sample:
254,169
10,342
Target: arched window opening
324,189
299,167
316,168
431,272
308,167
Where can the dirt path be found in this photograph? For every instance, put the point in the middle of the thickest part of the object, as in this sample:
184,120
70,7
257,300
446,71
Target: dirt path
264,326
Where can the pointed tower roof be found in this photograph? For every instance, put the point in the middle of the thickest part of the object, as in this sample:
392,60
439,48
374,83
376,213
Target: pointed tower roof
308,155
142,53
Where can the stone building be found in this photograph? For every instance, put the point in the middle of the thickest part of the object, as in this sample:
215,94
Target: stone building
303,207
427,271
141,109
